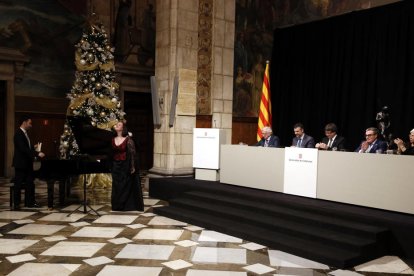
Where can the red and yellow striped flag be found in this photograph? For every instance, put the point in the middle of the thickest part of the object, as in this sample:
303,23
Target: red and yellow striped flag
265,112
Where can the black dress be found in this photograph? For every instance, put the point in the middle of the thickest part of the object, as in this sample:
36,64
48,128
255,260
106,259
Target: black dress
126,187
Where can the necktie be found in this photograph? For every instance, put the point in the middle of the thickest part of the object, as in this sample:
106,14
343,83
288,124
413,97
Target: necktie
266,144
330,143
299,144
369,148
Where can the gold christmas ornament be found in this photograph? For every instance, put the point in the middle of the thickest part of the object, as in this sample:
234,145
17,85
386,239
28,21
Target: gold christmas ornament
91,57
84,67
98,85
82,62
103,114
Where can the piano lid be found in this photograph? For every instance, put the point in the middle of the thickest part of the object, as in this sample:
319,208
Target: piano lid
91,140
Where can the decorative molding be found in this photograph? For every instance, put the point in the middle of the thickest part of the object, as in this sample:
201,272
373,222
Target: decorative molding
18,59
205,45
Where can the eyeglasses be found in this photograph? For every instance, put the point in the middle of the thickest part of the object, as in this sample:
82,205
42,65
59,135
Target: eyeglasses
368,135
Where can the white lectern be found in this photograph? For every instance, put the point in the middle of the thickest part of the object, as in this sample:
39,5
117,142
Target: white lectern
206,152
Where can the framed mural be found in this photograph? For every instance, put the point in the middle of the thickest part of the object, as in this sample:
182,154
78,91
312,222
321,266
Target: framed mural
45,31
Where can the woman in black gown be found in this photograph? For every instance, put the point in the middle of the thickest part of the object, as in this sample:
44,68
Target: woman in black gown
126,186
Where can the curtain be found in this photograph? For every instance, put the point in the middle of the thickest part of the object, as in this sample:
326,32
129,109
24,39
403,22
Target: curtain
343,70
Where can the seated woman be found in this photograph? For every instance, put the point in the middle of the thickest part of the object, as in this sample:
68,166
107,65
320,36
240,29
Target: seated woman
406,149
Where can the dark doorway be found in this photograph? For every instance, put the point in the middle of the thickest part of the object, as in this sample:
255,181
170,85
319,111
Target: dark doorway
138,109
3,93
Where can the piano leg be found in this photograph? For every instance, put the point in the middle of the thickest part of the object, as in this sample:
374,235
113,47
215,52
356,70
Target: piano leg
50,193
63,184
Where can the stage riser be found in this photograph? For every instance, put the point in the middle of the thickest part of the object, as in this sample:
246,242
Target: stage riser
266,238
281,225
339,235
292,213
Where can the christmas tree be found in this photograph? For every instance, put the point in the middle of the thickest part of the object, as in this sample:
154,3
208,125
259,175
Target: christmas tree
94,93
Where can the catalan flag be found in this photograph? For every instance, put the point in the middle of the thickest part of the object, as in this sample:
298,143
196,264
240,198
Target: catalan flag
265,112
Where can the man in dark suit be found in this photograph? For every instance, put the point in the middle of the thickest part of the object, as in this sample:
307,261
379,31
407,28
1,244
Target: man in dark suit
24,154
268,139
372,144
331,141
302,140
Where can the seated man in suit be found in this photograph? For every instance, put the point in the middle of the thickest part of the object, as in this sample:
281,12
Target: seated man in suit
332,141
302,140
372,144
268,140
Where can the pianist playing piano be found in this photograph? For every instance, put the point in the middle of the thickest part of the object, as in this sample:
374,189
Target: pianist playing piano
126,186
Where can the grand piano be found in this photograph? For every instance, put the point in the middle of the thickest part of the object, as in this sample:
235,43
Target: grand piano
95,148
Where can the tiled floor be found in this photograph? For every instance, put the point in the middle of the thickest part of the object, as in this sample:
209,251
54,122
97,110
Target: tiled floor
41,242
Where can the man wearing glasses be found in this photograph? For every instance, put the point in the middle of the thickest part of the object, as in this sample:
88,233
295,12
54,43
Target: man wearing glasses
372,144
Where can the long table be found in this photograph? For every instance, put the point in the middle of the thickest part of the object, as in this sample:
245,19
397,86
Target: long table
373,180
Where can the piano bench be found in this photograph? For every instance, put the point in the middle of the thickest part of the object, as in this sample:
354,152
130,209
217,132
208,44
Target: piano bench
11,185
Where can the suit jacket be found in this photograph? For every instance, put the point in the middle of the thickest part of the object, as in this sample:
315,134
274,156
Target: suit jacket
377,145
273,142
408,151
338,143
23,153
307,141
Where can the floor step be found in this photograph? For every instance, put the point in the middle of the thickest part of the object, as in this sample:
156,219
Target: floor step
293,213
280,224
316,251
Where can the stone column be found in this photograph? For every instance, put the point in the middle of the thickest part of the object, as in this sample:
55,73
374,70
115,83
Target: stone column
223,56
176,56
